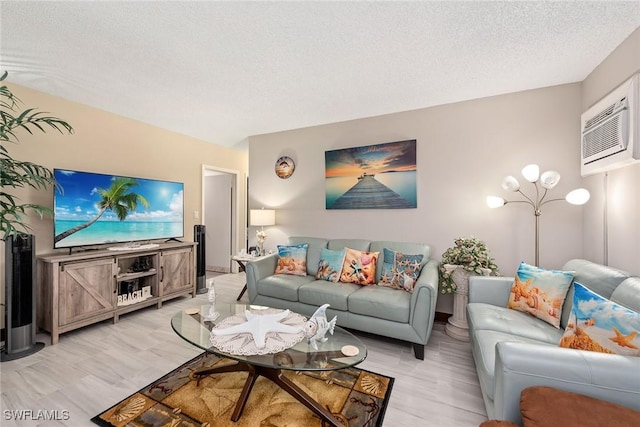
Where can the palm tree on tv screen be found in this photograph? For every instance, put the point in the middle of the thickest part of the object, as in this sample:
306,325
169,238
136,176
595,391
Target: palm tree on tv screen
116,198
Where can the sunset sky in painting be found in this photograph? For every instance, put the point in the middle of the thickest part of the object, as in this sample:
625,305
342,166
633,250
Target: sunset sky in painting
372,159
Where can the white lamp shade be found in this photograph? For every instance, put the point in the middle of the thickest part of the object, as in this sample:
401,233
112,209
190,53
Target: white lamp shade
510,183
549,179
579,196
261,217
531,172
495,201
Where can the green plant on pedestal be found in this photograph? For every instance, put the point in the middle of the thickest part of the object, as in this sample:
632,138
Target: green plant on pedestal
19,174
469,253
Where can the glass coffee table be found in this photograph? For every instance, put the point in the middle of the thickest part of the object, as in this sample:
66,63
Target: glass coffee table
194,329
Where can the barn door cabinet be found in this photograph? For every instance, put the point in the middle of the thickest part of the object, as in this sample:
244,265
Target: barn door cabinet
79,289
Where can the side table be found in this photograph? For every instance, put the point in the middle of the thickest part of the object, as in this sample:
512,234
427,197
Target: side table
242,260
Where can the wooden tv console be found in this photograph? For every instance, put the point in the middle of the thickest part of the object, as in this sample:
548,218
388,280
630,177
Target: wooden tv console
79,289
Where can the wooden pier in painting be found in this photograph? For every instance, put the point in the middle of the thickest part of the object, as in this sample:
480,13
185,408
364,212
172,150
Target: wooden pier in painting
369,193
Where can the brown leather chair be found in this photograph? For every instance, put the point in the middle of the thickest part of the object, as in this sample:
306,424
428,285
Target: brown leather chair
550,407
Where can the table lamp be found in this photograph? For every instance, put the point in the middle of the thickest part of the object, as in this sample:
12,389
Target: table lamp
260,218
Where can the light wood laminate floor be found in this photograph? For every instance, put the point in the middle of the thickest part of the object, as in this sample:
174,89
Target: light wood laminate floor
95,367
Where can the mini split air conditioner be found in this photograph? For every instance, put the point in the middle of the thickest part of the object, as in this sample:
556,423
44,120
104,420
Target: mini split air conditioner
610,130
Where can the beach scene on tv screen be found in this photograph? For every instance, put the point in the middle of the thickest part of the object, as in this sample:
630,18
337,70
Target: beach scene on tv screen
91,208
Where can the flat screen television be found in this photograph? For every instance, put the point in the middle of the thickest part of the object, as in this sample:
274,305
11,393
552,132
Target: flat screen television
96,209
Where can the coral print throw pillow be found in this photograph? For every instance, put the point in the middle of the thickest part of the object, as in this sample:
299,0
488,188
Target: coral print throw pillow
359,267
540,292
597,324
292,259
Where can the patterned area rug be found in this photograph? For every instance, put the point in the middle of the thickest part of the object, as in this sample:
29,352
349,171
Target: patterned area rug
358,398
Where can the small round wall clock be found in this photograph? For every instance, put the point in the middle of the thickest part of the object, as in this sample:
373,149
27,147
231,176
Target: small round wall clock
285,167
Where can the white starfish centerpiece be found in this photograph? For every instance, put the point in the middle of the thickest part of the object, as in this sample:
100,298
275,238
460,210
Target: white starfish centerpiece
259,326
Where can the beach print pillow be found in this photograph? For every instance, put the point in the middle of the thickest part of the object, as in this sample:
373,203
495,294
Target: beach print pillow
359,267
292,259
597,324
399,270
330,265
540,292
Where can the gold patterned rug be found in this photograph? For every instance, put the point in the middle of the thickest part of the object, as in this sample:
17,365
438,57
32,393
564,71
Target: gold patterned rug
356,397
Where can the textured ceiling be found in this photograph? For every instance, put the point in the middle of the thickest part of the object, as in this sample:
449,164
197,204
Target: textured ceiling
223,71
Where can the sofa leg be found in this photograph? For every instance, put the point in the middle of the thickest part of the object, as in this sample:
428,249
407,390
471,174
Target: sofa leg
418,350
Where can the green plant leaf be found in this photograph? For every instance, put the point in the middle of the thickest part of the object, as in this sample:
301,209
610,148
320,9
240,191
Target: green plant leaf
18,174
471,254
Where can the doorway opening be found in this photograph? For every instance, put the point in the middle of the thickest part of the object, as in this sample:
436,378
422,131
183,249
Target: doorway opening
219,216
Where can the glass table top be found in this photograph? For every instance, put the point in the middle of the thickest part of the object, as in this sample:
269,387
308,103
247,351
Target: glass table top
194,329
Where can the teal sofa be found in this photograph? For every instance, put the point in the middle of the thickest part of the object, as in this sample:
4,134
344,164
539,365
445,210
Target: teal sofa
513,350
375,309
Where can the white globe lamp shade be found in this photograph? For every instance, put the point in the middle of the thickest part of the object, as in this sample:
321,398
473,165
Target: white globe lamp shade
495,202
549,179
578,196
510,183
531,172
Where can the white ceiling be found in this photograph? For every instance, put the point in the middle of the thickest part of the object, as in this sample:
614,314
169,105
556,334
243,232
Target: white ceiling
223,71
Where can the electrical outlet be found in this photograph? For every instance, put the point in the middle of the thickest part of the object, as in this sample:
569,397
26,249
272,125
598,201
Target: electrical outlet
196,214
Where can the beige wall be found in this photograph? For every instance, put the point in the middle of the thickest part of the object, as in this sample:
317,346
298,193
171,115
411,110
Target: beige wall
464,150
108,143
612,219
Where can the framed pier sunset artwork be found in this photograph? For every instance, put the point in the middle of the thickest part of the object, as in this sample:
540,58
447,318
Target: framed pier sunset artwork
381,176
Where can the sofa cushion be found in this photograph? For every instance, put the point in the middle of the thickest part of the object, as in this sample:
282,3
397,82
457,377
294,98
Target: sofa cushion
313,251
381,302
597,324
484,352
400,270
320,292
359,267
282,286
599,278
481,316
628,294
540,292
292,259
358,244
330,265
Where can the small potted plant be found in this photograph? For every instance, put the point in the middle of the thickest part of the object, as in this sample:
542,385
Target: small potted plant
470,255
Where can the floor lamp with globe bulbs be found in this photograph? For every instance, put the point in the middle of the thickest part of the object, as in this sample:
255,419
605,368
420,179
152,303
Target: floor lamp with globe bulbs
542,184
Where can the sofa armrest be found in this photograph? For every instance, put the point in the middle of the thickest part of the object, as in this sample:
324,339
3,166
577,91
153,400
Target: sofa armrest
609,377
423,300
490,289
258,270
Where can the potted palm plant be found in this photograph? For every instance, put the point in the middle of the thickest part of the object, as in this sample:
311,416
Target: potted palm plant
469,256
16,174
20,174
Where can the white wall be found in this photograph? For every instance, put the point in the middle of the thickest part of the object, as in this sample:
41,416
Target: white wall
612,218
464,150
